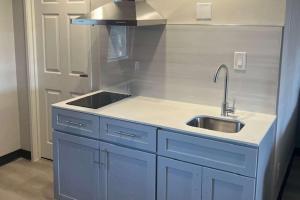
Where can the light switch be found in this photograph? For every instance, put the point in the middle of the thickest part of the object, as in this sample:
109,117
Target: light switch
240,61
204,11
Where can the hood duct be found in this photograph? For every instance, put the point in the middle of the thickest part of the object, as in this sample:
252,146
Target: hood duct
122,13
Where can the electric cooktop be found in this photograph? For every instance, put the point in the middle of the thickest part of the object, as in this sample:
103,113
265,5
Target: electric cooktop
98,100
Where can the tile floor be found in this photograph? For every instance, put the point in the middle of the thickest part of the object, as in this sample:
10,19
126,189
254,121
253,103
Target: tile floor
25,180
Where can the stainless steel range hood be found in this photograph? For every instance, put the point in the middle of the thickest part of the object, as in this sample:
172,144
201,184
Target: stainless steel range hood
122,13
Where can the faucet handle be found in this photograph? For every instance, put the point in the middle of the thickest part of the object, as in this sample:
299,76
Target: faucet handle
231,109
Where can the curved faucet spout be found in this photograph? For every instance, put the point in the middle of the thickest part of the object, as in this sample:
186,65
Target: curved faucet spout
225,107
218,71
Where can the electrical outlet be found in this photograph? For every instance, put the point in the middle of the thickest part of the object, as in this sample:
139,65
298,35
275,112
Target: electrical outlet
240,61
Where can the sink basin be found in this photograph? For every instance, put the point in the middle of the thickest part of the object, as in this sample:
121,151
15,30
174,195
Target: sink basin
217,124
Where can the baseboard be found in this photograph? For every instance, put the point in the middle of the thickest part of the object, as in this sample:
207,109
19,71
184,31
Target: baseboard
25,154
20,153
286,176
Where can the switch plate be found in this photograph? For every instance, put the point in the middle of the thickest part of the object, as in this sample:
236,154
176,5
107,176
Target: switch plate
240,61
204,11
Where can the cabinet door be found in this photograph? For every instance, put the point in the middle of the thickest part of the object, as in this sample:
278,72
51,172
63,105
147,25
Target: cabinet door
178,180
76,167
219,185
127,174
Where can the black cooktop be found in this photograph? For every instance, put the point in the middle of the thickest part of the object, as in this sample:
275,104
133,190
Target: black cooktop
98,100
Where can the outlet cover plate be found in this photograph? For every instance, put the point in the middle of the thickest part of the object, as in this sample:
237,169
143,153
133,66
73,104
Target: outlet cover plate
204,11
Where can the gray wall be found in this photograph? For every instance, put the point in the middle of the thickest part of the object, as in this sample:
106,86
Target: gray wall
178,62
289,90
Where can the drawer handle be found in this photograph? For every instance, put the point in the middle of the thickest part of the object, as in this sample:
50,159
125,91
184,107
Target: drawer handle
126,134
74,123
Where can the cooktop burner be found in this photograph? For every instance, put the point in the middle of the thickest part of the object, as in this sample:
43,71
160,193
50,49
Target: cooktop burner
98,100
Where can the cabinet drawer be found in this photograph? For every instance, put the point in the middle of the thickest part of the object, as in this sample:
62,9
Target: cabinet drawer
76,123
129,134
220,155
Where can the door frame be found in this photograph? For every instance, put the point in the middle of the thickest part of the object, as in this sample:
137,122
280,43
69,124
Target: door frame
32,71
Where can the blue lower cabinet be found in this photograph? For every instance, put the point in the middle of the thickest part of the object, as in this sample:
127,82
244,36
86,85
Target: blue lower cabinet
178,180
76,167
219,185
127,174
181,169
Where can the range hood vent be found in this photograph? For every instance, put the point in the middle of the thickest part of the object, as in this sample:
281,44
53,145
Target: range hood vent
122,13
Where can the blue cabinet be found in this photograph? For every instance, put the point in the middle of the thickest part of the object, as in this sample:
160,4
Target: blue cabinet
219,185
76,167
98,158
127,174
178,180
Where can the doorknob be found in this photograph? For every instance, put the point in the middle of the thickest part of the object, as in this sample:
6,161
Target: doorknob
83,75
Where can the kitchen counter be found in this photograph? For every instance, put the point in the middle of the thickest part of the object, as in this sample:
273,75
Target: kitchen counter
174,115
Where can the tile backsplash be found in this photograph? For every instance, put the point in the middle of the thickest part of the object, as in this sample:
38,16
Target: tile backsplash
178,62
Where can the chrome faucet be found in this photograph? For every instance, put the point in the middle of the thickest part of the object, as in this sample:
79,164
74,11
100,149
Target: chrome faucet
226,109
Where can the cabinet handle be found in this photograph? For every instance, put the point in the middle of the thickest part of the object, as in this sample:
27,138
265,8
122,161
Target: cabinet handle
126,134
74,123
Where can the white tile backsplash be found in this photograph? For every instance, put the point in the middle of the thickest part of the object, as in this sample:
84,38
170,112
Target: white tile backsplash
177,62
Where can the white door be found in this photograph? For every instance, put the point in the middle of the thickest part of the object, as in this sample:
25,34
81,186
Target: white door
63,54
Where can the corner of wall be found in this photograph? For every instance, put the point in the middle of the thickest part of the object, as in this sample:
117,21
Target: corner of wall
21,72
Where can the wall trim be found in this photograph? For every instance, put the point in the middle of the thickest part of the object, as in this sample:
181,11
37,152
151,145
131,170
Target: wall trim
32,79
20,153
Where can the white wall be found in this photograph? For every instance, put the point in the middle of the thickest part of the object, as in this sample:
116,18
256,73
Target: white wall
244,12
289,91
9,114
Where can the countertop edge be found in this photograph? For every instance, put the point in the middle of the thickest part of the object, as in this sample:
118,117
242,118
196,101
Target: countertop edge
195,134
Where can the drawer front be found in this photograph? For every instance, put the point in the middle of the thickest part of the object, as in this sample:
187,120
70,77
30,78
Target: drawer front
76,123
218,155
128,134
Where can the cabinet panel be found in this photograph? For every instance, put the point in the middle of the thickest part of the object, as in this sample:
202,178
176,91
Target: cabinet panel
218,185
76,167
220,155
127,174
76,123
130,134
177,180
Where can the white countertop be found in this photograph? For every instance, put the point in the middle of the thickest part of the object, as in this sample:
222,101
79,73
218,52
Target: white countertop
174,115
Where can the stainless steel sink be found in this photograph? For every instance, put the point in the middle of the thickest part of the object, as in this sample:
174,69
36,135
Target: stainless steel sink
217,124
